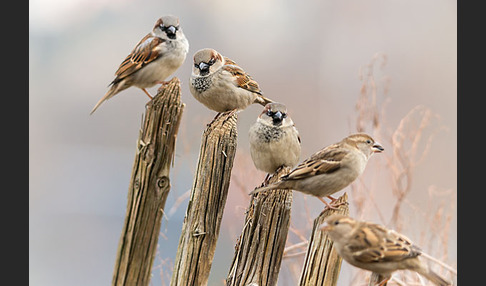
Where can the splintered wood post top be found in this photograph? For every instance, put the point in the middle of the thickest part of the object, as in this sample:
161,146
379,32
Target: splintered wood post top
322,263
149,187
260,247
206,205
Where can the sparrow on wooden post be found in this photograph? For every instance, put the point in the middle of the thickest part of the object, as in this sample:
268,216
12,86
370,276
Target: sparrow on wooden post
221,85
157,56
329,170
375,248
274,140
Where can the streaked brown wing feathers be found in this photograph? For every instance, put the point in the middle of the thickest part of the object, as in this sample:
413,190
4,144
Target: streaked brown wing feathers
325,161
141,55
243,80
380,245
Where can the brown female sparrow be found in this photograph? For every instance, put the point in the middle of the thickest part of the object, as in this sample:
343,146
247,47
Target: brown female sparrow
221,85
274,140
330,169
375,248
158,55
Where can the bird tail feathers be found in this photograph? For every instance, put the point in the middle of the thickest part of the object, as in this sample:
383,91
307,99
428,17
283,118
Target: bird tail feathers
435,278
261,189
263,100
114,89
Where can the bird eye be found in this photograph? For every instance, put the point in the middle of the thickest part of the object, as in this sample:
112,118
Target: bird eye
336,222
196,65
368,141
211,62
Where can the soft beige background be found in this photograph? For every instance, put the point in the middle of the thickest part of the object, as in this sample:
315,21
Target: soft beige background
306,54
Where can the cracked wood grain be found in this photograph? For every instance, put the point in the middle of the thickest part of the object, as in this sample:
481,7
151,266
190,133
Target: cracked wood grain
149,187
204,212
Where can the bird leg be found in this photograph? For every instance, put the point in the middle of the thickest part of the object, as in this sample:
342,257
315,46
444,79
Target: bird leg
163,84
333,205
332,198
333,202
230,112
267,178
383,282
147,93
214,119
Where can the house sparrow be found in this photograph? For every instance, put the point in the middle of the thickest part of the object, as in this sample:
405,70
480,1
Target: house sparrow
375,248
221,85
158,55
330,169
274,140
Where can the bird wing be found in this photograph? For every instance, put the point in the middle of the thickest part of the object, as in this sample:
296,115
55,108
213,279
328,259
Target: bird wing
374,243
228,61
242,79
325,161
145,52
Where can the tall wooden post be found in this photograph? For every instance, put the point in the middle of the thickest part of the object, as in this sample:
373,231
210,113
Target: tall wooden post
149,187
259,250
208,197
322,263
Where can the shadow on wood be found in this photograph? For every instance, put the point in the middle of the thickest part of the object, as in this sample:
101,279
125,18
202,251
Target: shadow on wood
149,187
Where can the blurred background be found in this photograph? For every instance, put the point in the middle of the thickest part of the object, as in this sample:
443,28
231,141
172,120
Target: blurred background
384,67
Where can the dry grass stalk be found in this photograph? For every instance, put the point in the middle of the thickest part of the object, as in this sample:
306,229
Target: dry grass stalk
409,144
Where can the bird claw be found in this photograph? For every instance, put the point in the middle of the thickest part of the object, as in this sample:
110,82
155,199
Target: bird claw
333,205
163,84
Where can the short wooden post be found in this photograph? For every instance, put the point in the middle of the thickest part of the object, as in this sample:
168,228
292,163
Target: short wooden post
208,197
149,187
259,250
322,263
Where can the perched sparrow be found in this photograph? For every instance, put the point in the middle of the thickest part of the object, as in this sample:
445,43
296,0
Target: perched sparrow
373,247
158,55
330,169
221,85
274,140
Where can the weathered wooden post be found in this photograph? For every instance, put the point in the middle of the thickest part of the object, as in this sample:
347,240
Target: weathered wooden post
205,208
259,250
149,187
322,263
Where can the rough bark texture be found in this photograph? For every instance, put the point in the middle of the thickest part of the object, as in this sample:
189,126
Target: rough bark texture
322,263
259,250
149,187
208,197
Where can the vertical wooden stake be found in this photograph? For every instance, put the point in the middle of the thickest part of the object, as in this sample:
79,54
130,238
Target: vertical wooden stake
149,187
208,197
259,250
322,263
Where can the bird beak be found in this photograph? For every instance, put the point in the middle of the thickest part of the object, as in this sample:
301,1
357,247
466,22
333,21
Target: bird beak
377,148
172,30
277,116
203,66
